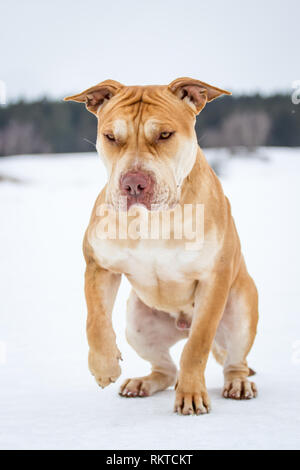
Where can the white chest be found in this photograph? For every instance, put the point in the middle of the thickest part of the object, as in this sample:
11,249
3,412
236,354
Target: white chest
151,261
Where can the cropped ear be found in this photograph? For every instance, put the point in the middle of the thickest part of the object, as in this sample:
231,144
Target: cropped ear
97,95
195,93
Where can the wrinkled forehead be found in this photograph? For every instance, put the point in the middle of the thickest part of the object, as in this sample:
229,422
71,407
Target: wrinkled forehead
153,107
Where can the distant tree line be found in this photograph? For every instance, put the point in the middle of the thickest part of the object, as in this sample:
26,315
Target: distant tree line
46,126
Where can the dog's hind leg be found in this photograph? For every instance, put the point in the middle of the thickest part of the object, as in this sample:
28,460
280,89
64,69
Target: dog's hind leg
235,336
151,333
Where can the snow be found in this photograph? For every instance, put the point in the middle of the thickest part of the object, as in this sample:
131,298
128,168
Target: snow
48,400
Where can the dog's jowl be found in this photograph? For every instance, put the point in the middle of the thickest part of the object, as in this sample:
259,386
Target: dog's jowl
185,284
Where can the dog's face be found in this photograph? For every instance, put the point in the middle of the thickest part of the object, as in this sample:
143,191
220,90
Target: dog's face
146,137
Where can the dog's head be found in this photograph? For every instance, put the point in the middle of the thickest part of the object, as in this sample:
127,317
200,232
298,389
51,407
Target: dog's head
146,137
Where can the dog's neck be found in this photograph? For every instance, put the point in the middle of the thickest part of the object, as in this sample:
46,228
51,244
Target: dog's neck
192,187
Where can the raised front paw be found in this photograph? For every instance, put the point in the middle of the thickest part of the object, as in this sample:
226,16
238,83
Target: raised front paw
193,402
105,369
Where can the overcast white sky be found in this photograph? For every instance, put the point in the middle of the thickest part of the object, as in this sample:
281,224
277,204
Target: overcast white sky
58,47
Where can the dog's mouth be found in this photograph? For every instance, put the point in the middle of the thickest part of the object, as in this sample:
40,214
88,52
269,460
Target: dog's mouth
133,201
140,188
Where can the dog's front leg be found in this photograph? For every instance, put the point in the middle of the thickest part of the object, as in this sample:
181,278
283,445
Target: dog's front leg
210,301
101,287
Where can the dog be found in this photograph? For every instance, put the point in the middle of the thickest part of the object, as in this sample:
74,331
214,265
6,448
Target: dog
147,141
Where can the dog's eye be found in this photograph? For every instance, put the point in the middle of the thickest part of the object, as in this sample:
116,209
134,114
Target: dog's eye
110,137
165,135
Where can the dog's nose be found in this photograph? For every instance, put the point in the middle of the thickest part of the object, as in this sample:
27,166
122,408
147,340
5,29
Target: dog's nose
135,183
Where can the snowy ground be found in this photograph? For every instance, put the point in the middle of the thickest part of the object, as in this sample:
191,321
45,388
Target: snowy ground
48,398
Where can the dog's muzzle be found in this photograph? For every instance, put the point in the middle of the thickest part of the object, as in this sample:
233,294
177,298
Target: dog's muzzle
138,188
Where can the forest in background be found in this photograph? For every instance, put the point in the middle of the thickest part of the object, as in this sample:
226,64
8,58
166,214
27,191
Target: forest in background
47,126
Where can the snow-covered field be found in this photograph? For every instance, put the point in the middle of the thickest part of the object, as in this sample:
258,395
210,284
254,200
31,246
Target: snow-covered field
48,398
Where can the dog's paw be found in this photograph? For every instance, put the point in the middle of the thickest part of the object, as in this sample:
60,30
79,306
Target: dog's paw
105,369
138,387
240,389
194,403
146,386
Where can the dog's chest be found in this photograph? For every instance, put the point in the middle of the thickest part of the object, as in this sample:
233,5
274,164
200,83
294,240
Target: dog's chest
149,262
163,274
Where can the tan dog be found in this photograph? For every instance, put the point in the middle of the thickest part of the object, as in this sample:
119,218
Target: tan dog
147,141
